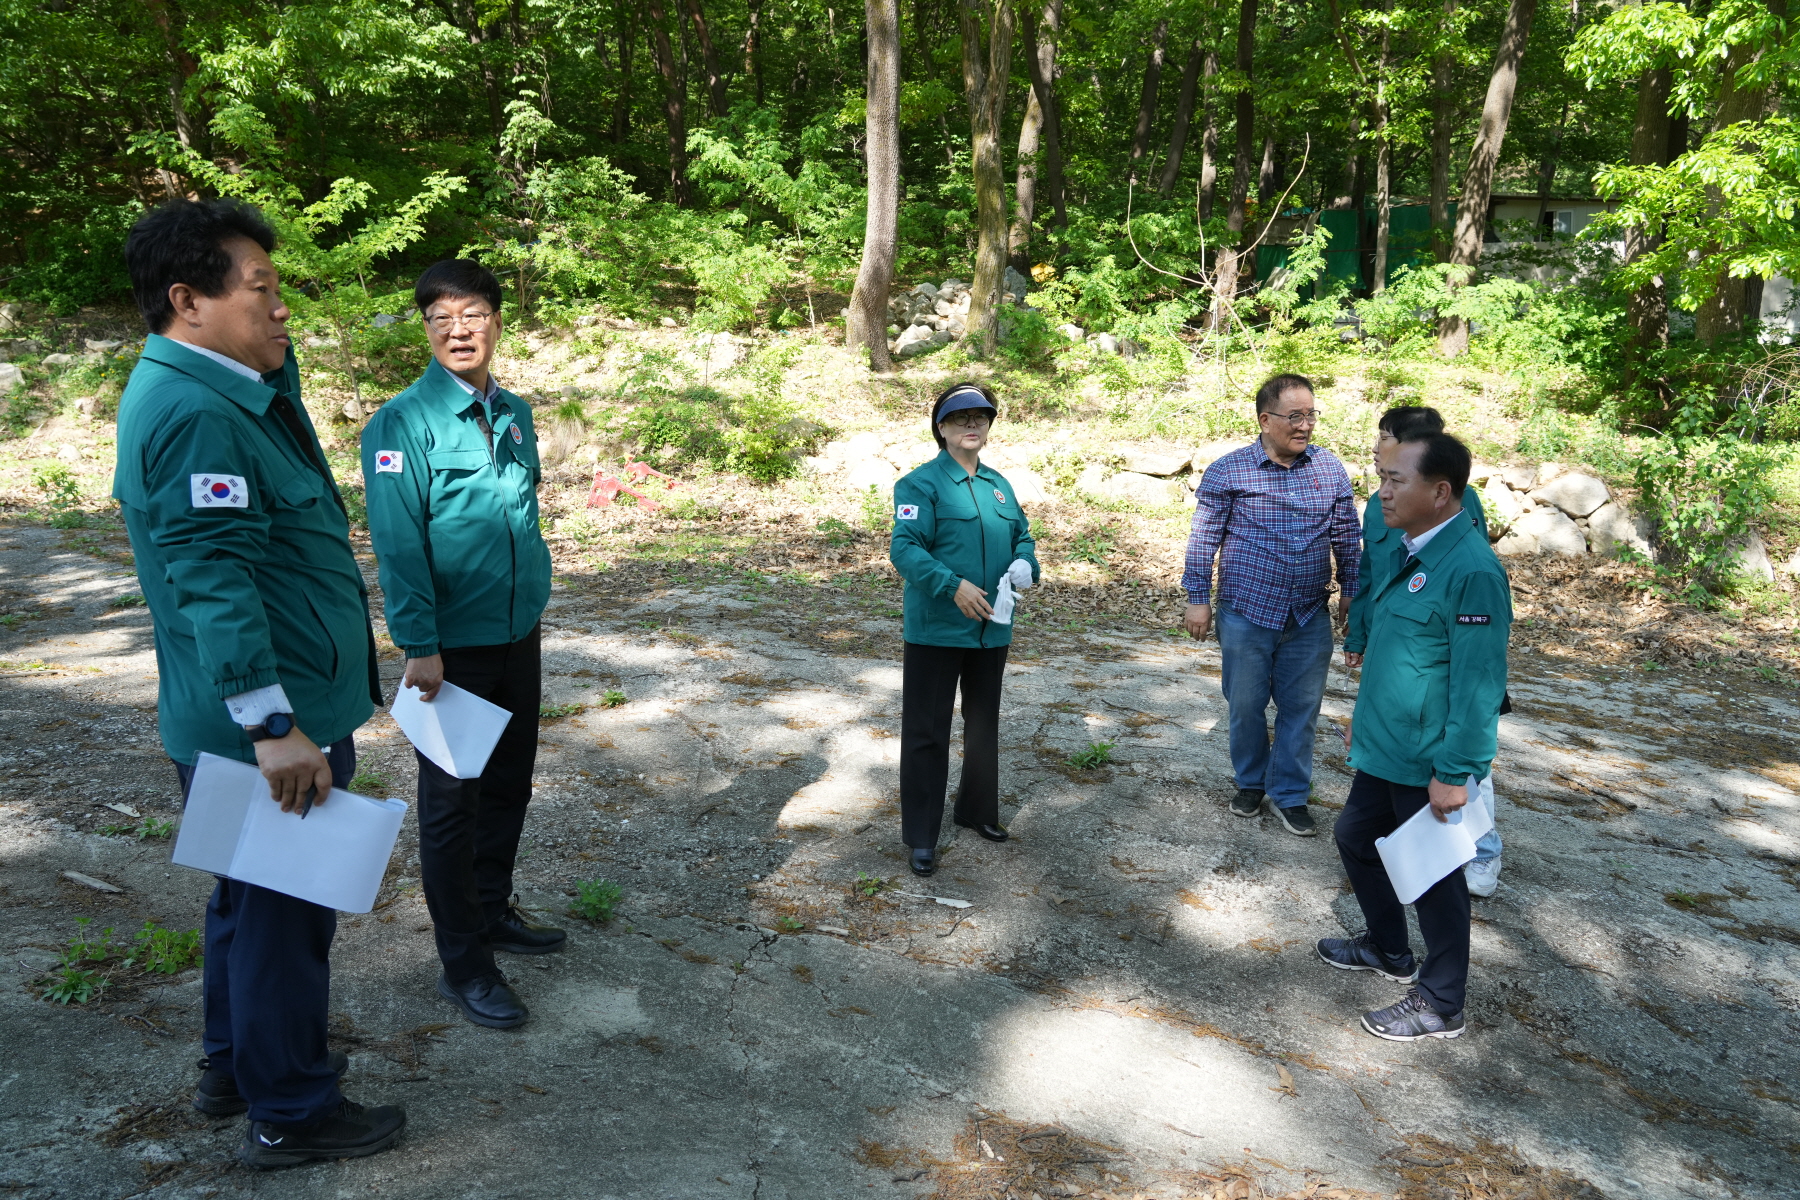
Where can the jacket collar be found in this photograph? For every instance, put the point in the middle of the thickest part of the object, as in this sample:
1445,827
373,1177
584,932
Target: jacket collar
1435,551
953,470
443,386
246,393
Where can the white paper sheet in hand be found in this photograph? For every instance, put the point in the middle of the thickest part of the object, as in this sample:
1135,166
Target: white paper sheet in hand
336,856
457,730
1424,849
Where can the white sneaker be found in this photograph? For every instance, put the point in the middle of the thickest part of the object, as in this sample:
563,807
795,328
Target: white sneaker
1483,877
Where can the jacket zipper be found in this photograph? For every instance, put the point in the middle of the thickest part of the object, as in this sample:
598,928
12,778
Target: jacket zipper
981,526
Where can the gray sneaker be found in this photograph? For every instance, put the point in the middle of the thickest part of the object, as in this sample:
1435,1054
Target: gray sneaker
1411,1020
1297,820
1247,803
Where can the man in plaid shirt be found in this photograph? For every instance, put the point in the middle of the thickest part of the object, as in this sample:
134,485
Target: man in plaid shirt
1274,513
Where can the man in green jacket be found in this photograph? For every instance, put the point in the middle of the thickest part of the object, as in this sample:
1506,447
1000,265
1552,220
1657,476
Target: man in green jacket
1425,728
263,647
451,471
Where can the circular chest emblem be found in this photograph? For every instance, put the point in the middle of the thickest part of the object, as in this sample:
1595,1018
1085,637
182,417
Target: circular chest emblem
999,496
221,490
1416,582
518,438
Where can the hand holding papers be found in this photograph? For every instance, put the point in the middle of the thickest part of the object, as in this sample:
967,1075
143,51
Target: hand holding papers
1016,579
457,730
336,858
1425,849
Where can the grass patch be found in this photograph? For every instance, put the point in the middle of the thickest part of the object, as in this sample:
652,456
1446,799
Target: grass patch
612,698
1097,755
555,712
595,900
370,783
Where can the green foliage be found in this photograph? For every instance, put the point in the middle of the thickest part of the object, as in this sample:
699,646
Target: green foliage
789,924
868,885
595,900
612,698
1097,755
555,712
149,827
370,783
1095,546
877,506
61,488
1059,465
163,951
130,600
1027,337
1706,482
836,532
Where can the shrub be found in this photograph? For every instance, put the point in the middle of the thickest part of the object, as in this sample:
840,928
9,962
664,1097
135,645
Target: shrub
595,900
1706,483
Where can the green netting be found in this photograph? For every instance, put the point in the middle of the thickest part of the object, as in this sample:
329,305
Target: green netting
1409,242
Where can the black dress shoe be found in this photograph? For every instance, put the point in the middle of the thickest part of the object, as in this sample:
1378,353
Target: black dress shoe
924,862
217,1094
516,935
351,1132
993,833
488,1000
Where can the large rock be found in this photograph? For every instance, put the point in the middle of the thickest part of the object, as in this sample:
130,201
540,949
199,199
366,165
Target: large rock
1548,531
1753,558
1145,490
866,473
1157,462
1548,471
11,348
1212,452
1520,479
1576,494
1014,285
1027,485
856,446
1611,527
1792,565
1092,480
1074,333
1106,342
59,360
11,378
1503,505
12,316
914,339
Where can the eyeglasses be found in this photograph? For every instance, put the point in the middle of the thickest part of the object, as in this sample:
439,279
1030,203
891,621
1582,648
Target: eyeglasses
1308,416
969,420
473,322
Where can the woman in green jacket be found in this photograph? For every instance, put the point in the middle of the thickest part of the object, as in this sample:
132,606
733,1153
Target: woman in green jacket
958,530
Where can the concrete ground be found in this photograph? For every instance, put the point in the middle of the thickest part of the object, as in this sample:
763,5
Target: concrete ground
1131,1005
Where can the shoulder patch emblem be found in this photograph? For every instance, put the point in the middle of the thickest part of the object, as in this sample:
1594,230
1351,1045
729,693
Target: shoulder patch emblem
218,491
518,438
390,462
1416,582
906,512
999,496
1474,619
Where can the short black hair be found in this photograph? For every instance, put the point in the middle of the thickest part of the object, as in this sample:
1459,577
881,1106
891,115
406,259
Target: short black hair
1445,458
986,392
456,277
183,241
1411,419
1270,393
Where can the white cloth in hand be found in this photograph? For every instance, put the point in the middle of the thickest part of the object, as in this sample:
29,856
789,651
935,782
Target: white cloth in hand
1016,579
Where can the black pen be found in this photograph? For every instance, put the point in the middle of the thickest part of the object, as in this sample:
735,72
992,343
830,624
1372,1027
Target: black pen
306,804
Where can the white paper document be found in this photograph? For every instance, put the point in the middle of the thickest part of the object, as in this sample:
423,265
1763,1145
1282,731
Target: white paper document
335,856
457,730
1424,849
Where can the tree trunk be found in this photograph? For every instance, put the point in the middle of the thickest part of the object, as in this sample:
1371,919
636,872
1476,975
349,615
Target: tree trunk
709,58
1443,127
1209,137
986,70
753,47
1228,265
868,316
1724,312
674,102
1140,136
1040,61
1018,241
1384,212
182,66
621,120
1651,145
1184,116
1478,179
1267,183
1547,176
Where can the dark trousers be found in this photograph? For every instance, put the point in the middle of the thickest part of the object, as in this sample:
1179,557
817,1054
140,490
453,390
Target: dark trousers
1374,809
265,986
930,678
469,828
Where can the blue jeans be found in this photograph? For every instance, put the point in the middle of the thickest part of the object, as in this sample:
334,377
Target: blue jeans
1284,665
1487,849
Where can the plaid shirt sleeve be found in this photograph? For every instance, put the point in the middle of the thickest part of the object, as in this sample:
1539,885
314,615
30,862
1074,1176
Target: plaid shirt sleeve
1346,539
1211,512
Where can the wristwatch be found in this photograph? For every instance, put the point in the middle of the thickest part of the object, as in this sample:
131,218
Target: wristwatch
275,725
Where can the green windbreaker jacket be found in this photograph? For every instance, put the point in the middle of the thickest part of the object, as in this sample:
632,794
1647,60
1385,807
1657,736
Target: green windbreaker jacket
1429,702
243,552
950,526
1380,544
455,520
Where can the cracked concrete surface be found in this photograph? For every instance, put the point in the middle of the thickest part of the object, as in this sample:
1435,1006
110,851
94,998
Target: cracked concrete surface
1136,965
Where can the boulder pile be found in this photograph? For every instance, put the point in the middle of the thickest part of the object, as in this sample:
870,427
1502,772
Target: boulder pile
1554,509
935,314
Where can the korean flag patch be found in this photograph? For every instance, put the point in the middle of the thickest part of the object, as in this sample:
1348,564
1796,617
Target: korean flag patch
390,462
906,512
218,491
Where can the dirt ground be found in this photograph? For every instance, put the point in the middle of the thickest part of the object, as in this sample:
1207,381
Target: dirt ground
1129,1007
